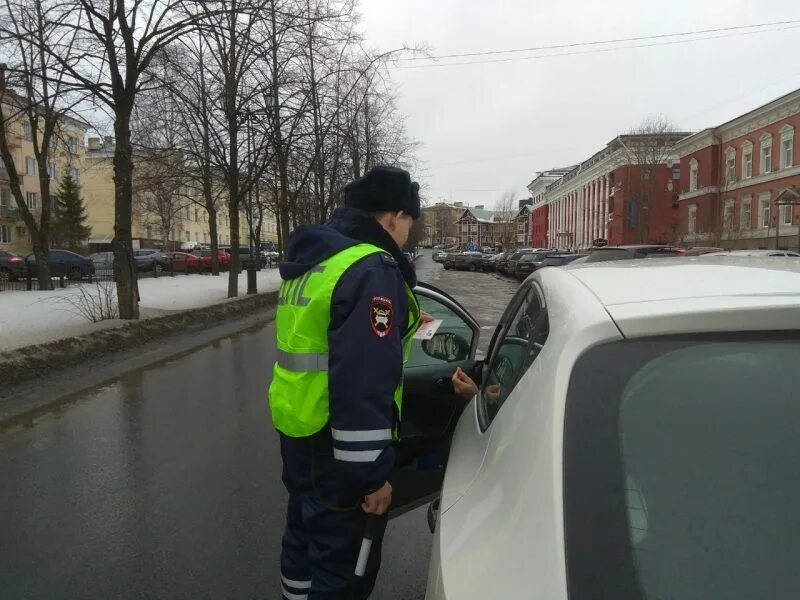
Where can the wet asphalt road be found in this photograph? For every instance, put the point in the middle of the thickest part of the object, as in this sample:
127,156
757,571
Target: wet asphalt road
166,483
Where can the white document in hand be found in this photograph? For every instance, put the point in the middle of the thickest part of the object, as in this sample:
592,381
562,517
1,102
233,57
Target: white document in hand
426,330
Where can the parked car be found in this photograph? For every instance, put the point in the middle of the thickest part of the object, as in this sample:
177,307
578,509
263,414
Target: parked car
607,253
64,263
761,253
529,262
150,260
438,256
560,260
449,260
244,255
183,262
103,262
468,261
598,453
205,260
12,267
502,262
189,246
511,264
534,261
489,262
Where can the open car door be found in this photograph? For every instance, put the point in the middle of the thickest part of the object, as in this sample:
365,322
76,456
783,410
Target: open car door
431,407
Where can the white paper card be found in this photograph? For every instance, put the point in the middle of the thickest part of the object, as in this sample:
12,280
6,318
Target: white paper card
427,330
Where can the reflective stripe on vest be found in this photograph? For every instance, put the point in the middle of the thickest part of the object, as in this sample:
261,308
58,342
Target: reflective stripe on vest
298,395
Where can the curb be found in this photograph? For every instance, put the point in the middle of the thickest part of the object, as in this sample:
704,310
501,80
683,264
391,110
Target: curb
102,356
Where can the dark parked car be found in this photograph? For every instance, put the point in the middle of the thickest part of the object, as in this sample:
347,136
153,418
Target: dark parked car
12,267
66,263
468,261
530,262
510,266
559,260
244,255
103,261
155,261
489,262
449,260
635,251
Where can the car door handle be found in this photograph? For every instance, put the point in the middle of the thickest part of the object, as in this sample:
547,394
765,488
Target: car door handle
444,381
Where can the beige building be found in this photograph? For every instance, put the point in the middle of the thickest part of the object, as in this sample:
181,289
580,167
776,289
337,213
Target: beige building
188,219
440,223
68,157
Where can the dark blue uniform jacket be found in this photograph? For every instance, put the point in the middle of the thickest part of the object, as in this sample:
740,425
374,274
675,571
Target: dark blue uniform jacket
353,455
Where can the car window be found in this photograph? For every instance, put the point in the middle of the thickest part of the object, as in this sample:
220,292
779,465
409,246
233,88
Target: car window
452,342
691,481
520,342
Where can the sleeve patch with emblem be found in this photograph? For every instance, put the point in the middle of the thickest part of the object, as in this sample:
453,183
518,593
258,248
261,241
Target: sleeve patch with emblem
381,315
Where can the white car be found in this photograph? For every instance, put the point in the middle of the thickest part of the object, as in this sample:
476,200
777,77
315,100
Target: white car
636,435
760,253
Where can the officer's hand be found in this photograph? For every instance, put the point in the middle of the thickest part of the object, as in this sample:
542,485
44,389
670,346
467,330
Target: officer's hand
425,317
377,503
463,384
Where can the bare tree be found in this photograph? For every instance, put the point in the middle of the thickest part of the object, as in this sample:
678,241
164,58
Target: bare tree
41,110
117,42
648,146
505,223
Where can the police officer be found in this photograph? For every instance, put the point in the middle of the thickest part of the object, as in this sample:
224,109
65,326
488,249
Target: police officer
346,316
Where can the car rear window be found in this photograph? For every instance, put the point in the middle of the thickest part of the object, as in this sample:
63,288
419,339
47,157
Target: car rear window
680,472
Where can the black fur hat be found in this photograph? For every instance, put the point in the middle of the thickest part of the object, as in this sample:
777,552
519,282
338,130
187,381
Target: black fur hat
384,188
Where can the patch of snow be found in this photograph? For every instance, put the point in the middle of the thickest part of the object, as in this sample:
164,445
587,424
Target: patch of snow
28,318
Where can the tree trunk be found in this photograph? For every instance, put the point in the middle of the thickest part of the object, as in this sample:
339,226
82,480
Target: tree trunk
122,244
212,225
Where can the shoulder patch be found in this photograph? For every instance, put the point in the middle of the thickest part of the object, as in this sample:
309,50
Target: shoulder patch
388,260
381,315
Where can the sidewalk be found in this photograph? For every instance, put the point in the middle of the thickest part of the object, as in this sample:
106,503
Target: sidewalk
28,318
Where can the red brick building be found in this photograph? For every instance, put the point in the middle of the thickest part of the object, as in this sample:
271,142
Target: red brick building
624,194
539,209
740,181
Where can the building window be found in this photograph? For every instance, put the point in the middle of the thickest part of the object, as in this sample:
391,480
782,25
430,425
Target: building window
763,210
72,144
31,200
5,234
51,170
766,154
745,214
5,197
786,214
747,161
195,216
787,147
27,131
30,166
693,172
728,216
730,171
692,223
75,175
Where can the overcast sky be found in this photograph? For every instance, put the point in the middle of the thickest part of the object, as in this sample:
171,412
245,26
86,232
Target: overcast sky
486,129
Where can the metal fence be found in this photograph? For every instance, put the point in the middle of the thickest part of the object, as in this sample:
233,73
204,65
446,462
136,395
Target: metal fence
29,281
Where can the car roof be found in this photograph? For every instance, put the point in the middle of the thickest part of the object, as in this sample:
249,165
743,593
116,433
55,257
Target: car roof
753,253
704,293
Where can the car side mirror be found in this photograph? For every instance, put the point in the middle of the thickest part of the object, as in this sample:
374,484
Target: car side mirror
446,346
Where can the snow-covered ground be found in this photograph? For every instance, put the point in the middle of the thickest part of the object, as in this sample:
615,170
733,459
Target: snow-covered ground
28,318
